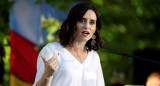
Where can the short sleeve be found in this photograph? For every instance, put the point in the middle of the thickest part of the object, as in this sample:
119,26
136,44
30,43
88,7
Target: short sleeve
47,52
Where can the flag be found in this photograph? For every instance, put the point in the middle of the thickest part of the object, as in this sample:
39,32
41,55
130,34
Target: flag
24,36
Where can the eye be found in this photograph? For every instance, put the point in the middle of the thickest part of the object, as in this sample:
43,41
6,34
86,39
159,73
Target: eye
82,20
92,22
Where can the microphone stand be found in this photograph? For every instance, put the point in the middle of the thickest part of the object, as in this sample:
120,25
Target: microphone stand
127,55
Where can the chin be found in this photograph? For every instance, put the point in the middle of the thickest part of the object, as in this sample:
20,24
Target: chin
85,40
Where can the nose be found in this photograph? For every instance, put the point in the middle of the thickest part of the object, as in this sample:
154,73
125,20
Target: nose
86,25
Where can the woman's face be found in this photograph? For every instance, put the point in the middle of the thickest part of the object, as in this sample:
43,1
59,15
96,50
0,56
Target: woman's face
86,27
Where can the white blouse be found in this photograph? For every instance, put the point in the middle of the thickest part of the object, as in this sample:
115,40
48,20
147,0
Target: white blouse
71,72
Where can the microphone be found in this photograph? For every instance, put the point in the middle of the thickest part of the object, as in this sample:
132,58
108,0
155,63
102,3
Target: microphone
127,55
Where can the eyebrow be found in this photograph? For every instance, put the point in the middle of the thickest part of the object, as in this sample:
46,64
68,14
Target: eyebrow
90,19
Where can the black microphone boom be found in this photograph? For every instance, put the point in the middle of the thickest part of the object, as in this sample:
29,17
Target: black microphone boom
128,55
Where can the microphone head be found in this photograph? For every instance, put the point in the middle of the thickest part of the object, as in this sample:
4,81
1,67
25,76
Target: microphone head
99,45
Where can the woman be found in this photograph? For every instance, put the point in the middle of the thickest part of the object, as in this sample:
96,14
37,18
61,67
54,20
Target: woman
74,61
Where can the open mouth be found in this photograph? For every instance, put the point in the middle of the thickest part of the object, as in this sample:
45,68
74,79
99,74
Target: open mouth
85,33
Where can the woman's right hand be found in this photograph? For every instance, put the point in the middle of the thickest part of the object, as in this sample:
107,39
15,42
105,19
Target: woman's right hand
51,67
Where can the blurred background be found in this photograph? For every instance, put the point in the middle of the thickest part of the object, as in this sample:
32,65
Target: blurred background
129,26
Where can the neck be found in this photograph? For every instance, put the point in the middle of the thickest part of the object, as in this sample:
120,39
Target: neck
78,46
78,50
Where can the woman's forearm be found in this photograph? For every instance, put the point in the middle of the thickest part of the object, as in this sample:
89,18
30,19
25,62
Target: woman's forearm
44,81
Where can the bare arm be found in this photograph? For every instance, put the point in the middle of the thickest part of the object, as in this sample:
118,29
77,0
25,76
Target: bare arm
44,81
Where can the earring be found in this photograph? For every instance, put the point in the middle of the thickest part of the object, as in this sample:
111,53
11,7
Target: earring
93,42
93,37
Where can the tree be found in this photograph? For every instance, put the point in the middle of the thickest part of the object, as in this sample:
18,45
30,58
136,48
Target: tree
4,41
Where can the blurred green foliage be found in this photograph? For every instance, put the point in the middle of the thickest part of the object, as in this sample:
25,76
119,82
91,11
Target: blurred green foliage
51,25
5,6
